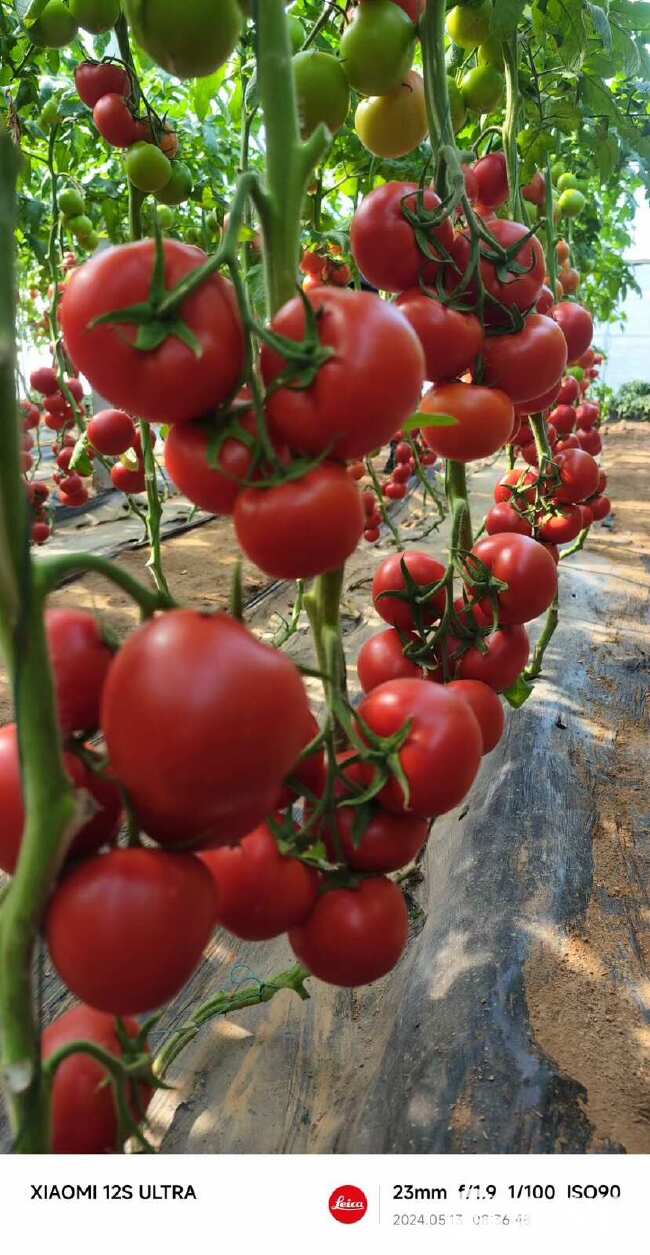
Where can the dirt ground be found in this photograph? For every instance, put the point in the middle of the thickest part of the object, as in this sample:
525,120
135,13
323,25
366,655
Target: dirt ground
519,1018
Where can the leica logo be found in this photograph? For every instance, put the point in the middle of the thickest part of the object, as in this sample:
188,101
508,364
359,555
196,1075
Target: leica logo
348,1204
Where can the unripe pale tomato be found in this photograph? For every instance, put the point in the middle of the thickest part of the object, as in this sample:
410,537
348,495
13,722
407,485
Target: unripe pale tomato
394,124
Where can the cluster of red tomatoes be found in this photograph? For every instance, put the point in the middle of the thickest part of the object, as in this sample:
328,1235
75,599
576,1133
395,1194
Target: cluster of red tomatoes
59,415
406,456
325,266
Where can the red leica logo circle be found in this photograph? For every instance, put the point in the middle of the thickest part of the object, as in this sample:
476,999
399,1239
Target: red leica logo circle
348,1204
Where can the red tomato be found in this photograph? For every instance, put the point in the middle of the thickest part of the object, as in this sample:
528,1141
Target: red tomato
216,739
538,405
208,468
569,392
353,936
563,418
168,384
528,362
520,484
503,517
105,796
363,393
590,441
384,243
578,476
577,326
545,301
44,380
309,774
387,842
84,1115
507,654
450,339
471,182
80,659
382,658
301,527
484,420
526,568
586,515
535,191
587,414
441,754
491,174
125,930
600,507
515,291
40,533
260,892
561,527
487,708
114,121
128,480
93,81
389,578
602,481
111,432
569,442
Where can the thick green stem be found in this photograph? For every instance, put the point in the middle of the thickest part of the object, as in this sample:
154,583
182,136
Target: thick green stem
154,511
432,35
577,545
552,616
540,434
510,125
53,572
551,255
456,488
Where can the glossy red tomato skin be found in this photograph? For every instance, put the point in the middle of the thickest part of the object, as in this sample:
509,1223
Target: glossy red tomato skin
485,418
362,394
302,527
526,568
503,517
389,578
527,363
508,650
309,774
545,301
487,708
111,432
562,527
353,936
442,751
535,191
577,325
600,507
521,291
384,243
602,481
522,482
94,81
563,418
44,380
83,1114
125,930
211,482
101,829
586,514
114,121
590,441
382,658
388,842
168,384
579,476
450,339
587,415
491,174
128,480
569,391
80,660
184,749
260,892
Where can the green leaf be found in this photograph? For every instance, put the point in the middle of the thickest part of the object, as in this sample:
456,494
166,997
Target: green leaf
601,24
429,420
204,90
505,17
518,693
632,14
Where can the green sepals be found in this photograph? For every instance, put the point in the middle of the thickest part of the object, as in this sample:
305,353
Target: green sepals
518,693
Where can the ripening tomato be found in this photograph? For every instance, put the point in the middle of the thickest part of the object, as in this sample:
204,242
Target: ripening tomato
451,340
469,25
170,383
507,654
526,568
128,479
528,362
377,48
491,174
322,90
600,507
590,441
484,420
561,526
114,121
361,394
577,326
578,476
353,936
535,191
94,80
80,657
384,243
261,893
111,432
382,658
101,829
425,572
503,517
517,484
184,749
190,40
393,125
486,706
301,527
209,466
413,8
587,415
386,842
125,930
442,750
84,1113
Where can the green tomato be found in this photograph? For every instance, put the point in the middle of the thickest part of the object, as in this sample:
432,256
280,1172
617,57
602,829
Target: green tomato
147,167
556,170
190,38
179,186
90,241
571,203
71,202
482,88
491,52
394,124
296,33
193,236
577,372
457,105
55,27
212,223
80,226
469,27
377,48
165,217
95,16
322,90
50,114
566,181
